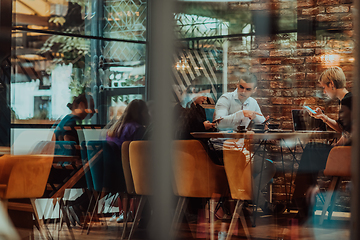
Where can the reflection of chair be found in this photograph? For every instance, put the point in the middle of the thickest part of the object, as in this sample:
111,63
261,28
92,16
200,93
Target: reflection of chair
106,170
196,176
338,165
24,176
239,175
65,159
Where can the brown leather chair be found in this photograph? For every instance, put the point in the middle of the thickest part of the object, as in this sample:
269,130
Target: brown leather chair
139,159
130,189
195,175
239,175
338,165
24,176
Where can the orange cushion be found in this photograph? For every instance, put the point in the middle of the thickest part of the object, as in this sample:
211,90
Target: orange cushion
339,162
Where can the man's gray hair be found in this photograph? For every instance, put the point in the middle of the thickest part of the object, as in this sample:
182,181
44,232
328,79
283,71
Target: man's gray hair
248,78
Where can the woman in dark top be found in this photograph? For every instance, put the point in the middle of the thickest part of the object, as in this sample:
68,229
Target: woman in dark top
131,125
315,155
192,119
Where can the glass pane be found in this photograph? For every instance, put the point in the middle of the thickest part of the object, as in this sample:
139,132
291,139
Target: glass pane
118,104
286,46
51,69
124,64
198,19
124,19
47,74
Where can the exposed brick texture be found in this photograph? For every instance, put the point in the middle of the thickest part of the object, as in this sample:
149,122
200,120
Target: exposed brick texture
288,69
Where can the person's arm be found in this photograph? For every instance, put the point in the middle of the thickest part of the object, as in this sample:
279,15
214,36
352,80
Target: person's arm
222,111
326,119
70,138
230,120
259,118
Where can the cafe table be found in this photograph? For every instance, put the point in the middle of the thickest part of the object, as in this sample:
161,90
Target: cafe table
284,136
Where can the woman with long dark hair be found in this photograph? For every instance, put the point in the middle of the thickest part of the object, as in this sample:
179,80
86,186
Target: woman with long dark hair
131,125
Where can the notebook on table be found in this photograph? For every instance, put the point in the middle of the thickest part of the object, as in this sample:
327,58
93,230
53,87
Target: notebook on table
302,121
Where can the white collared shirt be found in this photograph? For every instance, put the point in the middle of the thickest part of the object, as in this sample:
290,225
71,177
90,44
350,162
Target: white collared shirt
230,108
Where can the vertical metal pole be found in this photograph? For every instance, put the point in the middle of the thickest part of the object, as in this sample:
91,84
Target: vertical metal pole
355,166
160,40
5,55
225,61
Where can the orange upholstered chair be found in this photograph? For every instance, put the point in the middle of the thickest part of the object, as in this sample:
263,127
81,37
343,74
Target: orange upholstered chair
139,161
338,165
130,189
195,175
239,175
24,176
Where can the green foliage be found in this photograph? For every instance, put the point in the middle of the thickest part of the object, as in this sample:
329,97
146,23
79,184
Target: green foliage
66,50
79,82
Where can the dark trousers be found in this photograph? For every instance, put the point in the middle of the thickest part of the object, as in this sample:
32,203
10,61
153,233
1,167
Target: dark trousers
313,160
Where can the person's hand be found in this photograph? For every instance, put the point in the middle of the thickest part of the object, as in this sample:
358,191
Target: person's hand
251,114
200,99
318,113
267,122
208,125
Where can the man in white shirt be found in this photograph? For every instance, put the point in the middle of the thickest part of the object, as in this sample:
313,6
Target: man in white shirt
237,108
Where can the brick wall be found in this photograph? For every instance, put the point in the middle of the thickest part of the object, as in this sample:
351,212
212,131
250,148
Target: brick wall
288,65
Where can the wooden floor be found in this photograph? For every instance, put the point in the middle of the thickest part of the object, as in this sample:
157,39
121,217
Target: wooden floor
267,227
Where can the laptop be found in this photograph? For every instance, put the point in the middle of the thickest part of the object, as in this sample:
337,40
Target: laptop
302,121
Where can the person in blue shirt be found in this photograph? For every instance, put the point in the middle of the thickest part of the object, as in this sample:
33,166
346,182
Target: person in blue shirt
81,107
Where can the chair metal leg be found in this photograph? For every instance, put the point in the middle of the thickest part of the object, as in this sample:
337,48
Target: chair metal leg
333,199
329,194
65,218
42,228
212,219
137,216
87,212
127,207
243,223
234,218
92,215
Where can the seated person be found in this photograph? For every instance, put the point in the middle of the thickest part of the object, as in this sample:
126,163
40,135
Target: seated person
315,155
131,126
191,119
81,107
238,108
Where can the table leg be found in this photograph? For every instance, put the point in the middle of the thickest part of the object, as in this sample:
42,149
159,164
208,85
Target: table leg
259,186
